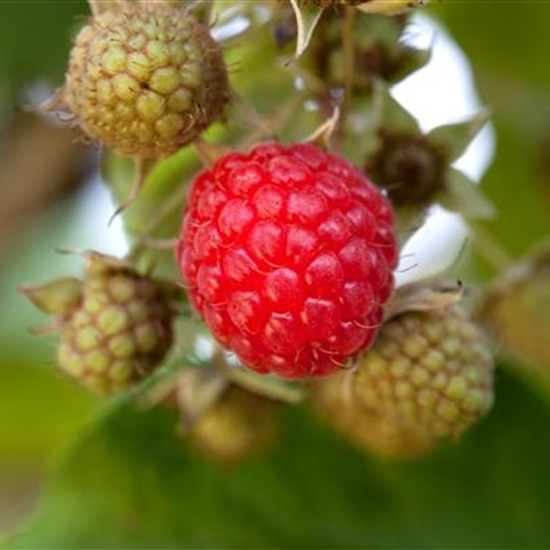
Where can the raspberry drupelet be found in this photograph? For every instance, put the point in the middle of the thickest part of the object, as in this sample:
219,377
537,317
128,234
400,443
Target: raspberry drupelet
288,252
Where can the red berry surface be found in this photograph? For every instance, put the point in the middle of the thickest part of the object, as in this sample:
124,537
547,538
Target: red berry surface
288,252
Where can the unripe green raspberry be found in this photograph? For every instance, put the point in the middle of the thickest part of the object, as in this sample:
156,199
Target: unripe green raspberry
120,330
430,371
240,424
145,78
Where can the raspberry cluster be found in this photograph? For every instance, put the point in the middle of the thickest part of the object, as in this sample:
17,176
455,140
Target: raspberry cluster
288,252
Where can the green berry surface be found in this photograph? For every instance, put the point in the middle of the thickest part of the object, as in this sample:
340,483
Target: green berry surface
431,371
363,426
118,334
145,79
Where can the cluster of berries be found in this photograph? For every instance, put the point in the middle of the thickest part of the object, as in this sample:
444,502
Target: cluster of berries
287,251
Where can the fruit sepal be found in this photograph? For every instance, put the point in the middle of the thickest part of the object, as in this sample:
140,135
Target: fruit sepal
57,297
416,168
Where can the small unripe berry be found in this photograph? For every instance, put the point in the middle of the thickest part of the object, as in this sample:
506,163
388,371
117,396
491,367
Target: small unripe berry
116,324
120,331
145,78
240,424
429,371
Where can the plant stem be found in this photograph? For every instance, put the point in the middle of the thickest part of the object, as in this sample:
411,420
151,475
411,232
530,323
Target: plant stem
349,58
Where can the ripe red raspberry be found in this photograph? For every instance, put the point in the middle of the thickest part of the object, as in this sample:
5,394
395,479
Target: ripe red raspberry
288,252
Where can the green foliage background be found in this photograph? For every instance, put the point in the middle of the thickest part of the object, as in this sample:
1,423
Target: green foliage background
111,476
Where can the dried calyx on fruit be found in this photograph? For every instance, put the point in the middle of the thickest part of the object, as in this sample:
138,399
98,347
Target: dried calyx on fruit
144,78
288,252
416,167
409,166
116,324
378,52
428,376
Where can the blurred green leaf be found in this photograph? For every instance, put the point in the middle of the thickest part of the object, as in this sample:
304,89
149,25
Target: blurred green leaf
132,484
514,184
508,38
40,410
35,37
505,42
156,214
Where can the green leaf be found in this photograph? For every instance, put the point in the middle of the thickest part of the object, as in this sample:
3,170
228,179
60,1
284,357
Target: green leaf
485,31
35,37
131,483
513,79
465,197
515,184
453,139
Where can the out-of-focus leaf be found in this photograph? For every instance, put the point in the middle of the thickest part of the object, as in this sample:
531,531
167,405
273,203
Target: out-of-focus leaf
132,484
513,183
35,37
40,411
514,81
506,38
